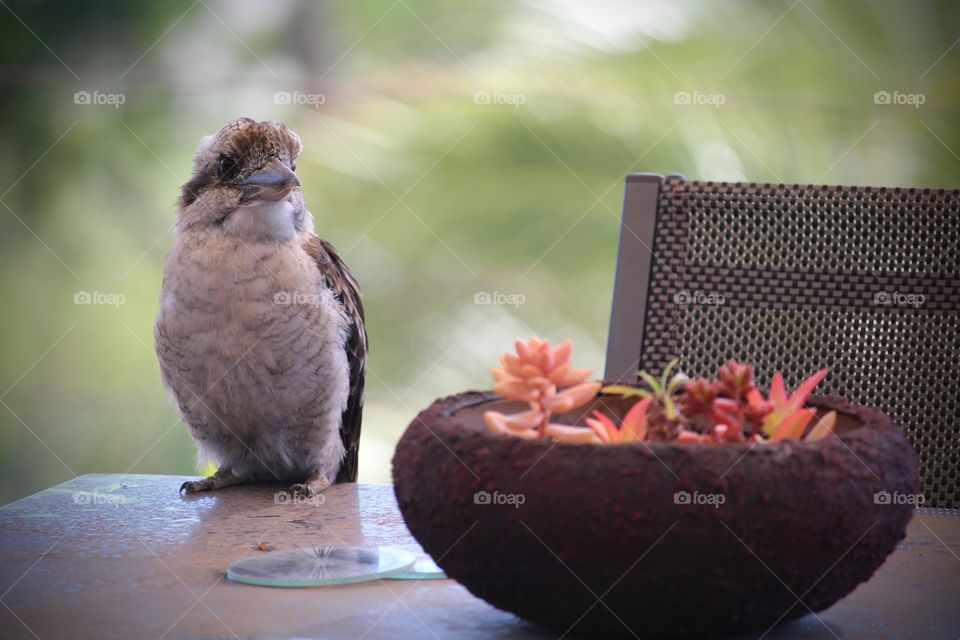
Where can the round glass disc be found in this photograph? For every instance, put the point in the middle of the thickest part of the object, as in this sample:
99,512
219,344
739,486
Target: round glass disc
423,569
320,565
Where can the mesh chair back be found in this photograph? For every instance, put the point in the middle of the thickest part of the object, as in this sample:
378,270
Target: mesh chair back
795,278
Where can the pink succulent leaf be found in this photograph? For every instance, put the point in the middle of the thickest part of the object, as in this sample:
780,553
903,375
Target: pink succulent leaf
530,371
792,426
524,350
541,382
823,428
496,421
562,352
530,419
805,388
755,398
563,375
606,420
722,417
547,359
514,391
778,392
511,363
566,433
581,393
612,430
502,375
557,403
566,375
725,404
635,422
582,373
687,436
726,433
599,428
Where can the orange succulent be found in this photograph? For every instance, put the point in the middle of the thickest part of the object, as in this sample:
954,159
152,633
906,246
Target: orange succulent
532,376
632,429
789,418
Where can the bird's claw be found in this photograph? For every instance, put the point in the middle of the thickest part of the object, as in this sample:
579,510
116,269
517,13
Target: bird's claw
194,486
300,491
313,487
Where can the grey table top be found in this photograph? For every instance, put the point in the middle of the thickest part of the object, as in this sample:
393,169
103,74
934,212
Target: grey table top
109,555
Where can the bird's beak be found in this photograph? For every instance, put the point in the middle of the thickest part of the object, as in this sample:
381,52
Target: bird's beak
273,181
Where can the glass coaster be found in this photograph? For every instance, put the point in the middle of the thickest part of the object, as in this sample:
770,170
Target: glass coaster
423,569
316,566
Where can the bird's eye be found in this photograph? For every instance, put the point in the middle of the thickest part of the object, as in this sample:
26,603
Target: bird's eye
293,166
226,164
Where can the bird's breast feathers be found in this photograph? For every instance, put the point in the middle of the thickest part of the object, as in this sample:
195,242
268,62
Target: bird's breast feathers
252,315
235,281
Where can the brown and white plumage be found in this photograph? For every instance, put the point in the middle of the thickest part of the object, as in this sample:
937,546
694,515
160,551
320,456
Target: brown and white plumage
260,334
347,291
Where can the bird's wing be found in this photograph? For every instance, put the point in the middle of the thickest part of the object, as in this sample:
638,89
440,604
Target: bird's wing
347,291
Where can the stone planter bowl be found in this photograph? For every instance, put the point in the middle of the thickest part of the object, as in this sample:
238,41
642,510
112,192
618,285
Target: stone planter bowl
665,540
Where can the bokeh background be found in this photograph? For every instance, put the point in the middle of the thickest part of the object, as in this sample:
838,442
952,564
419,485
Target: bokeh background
467,157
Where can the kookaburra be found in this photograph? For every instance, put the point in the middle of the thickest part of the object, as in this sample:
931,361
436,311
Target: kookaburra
260,333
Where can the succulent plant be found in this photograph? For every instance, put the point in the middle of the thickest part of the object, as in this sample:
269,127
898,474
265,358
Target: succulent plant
633,428
788,418
533,376
726,409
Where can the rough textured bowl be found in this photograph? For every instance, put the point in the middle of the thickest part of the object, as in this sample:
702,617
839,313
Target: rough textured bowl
665,540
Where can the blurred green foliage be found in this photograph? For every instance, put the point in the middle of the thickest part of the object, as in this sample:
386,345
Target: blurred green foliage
460,147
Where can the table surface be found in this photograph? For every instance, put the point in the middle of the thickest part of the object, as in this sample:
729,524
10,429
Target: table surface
109,555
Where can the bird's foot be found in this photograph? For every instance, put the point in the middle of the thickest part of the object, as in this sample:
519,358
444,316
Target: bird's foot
222,478
196,486
315,485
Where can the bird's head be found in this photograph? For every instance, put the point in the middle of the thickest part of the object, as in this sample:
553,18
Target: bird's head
243,183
